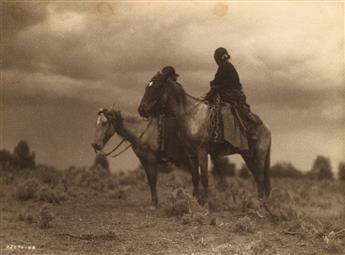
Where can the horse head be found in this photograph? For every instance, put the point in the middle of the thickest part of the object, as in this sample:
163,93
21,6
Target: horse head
107,124
162,95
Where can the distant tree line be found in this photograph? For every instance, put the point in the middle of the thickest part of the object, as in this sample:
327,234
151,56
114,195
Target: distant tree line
21,157
321,169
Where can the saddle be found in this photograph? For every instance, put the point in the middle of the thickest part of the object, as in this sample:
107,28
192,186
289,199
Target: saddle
231,120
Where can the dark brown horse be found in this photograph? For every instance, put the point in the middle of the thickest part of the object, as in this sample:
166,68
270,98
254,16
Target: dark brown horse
193,118
143,136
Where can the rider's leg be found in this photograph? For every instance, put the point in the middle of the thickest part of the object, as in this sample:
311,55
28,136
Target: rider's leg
162,157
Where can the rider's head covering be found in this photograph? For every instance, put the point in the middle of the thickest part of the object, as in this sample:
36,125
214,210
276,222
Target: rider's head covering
169,71
220,55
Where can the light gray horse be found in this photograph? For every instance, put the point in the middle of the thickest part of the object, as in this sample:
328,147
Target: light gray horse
143,136
163,93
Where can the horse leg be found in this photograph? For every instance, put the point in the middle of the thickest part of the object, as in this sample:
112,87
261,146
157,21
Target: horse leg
195,179
267,172
214,160
151,173
194,168
203,163
260,163
256,166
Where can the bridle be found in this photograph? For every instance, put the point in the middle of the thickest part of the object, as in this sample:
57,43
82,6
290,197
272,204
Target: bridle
111,122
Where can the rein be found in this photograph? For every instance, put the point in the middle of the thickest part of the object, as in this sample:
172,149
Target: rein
200,100
195,98
116,147
128,146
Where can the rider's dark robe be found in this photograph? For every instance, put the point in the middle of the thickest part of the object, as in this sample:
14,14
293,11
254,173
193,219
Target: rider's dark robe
226,77
227,85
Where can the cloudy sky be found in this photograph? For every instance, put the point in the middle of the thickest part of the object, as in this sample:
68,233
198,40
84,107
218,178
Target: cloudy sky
61,61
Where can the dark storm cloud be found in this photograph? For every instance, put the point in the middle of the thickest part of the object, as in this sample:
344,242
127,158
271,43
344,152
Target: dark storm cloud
86,46
75,57
111,43
284,97
17,16
40,48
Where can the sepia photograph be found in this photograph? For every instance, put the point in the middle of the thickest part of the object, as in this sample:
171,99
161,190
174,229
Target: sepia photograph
172,127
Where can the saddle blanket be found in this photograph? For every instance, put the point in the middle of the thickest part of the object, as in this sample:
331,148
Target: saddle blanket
227,127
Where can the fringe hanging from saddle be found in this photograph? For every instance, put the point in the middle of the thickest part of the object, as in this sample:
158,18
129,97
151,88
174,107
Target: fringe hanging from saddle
216,121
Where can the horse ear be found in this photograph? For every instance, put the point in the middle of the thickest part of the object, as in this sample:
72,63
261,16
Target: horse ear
101,110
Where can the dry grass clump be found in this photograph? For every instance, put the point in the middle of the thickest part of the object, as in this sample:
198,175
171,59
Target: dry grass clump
254,247
111,184
334,246
198,218
85,177
178,207
108,236
27,190
49,195
7,178
219,201
283,205
98,185
41,184
245,225
132,177
178,179
119,192
26,216
51,185
48,175
307,227
97,180
287,212
69,176
330,230
232,195
45,217
335,239
183,206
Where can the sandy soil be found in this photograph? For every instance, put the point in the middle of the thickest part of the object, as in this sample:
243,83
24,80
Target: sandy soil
115,217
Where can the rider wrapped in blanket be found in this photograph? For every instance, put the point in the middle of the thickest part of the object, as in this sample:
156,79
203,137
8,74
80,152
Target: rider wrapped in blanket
170,73
226,86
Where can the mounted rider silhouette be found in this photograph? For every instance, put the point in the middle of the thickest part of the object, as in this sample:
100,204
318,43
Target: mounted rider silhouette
227,87
170,73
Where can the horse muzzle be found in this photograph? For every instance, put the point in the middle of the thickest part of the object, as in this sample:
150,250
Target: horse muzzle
142,111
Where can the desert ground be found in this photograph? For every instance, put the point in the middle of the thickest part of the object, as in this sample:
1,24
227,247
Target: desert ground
91,211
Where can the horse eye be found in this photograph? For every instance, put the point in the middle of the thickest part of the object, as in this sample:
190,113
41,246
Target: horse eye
150,84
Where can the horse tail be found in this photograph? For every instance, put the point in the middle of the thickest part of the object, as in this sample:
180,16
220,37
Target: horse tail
267,166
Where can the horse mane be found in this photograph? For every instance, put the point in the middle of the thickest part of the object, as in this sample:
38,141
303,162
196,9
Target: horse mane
134,121
181,94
